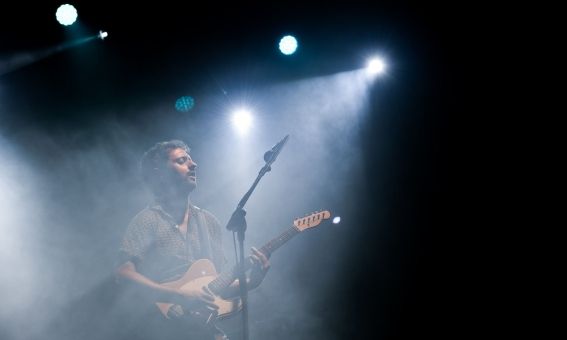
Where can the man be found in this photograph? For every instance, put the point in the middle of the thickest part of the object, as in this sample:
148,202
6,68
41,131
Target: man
164,240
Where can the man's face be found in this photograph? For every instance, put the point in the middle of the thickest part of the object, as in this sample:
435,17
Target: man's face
183,169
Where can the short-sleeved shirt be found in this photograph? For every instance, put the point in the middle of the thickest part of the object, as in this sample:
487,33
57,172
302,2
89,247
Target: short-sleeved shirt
154,243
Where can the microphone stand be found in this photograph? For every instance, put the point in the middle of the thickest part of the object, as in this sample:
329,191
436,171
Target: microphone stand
237,223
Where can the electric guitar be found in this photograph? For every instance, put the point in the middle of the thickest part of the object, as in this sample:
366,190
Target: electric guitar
202,273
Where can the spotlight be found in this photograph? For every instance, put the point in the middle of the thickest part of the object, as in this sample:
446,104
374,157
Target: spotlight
376,66
184,104
242,121
66,14
336,220
288,45
102,35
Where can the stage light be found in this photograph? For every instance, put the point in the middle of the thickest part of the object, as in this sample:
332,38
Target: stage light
242,121
102,35
66,14
376,66
184,103
336,220
288,45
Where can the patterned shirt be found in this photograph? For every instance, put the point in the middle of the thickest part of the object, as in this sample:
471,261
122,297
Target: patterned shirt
154,243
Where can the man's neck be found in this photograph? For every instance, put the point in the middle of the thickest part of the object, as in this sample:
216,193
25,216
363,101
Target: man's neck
176,206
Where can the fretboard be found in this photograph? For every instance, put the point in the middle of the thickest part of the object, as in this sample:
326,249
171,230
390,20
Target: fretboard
227,277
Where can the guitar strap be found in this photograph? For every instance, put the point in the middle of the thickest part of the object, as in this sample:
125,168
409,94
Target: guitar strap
203,234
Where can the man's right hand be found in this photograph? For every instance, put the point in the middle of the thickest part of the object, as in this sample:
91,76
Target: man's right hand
193,295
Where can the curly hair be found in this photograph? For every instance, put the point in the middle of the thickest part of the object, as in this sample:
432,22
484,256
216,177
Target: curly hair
152,163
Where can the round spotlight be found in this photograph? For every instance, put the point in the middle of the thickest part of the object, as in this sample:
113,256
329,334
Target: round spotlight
242,121
336,220
184,103
288,45
66,14
376,66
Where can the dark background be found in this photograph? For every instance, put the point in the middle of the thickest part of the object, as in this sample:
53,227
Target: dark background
392,264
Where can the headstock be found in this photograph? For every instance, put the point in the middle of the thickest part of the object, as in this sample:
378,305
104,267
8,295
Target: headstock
311,220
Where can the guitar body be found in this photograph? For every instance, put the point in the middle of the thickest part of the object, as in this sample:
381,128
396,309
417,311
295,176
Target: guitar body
199,275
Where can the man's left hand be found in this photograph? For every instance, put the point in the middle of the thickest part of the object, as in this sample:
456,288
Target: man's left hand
261,267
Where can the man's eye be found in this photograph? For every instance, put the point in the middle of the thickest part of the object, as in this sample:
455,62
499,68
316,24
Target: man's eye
181,160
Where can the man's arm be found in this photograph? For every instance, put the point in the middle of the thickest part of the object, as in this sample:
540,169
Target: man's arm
257,274
162,293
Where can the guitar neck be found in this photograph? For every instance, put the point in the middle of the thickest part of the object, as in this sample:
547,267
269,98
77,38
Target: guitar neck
273,245
227,277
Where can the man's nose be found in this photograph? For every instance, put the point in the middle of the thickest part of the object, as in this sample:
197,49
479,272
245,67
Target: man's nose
192,165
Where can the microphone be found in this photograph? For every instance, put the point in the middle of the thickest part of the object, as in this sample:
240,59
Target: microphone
271,155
